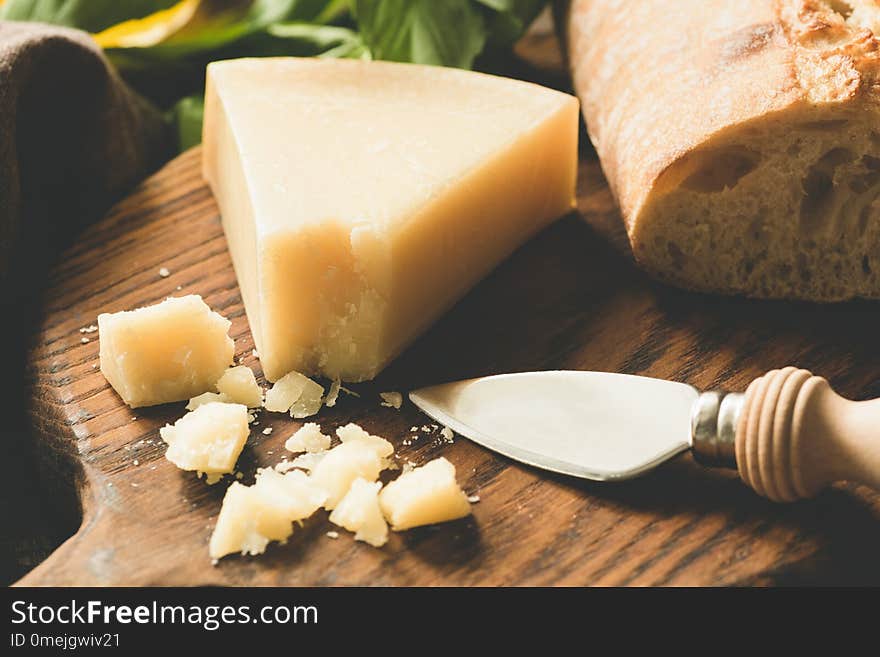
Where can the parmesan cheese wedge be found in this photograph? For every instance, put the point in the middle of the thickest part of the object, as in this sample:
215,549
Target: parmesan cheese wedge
208,439
424,496
362,199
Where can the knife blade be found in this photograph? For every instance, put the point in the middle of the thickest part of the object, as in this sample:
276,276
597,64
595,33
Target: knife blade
595,425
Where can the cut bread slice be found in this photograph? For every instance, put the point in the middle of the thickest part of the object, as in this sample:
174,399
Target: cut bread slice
749,162
360,200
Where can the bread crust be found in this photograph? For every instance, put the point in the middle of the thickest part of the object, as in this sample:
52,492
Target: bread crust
660,80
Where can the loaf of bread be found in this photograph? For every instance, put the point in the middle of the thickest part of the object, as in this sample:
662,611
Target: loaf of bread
741,138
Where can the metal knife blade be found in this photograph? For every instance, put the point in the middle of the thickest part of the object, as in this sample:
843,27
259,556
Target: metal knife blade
595,425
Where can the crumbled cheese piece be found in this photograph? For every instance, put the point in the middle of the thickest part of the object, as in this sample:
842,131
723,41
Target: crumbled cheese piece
341,465
91,328
84,340
296,393
307,461
308,438
423,496
168,352
240,385
164,273
358,511
251,516
353,433
205,398
208,439
281,396
473,499
332,534
267,431
391,399
448,435
136,462
332,394
309,401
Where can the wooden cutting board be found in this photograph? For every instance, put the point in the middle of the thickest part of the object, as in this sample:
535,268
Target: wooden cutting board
570,299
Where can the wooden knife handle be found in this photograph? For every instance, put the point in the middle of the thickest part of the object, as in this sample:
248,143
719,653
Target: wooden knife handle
795,436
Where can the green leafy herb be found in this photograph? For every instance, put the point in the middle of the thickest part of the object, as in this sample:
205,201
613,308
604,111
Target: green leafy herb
448,33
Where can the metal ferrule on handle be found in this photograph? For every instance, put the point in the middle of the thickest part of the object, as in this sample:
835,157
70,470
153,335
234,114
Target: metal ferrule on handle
714,419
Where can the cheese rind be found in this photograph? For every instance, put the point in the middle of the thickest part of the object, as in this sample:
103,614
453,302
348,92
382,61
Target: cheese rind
167,352
361,200
208,439
424,496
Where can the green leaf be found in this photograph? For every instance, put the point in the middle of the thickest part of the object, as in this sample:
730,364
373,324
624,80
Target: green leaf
510,19
89,15
447,33
186,116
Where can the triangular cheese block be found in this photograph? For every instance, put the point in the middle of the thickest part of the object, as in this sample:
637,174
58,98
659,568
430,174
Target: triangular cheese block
362,199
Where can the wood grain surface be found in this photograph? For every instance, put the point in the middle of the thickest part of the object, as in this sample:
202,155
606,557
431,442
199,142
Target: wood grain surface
569,299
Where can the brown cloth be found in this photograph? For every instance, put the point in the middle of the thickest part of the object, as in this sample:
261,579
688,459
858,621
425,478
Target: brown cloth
73,138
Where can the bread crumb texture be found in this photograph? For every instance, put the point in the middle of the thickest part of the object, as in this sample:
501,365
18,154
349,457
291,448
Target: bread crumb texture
753,166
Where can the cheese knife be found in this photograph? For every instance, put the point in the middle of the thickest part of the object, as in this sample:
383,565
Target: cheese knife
789,434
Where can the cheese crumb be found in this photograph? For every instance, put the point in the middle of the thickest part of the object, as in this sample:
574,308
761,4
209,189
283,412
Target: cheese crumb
332,534
84,340
205,398
308,438
473,499
424,496
240,386
358,511
91,328
448,435
252,516
267,431
332,394
391,399
353,433
164,273
207,440
307,461
296,393
340,466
